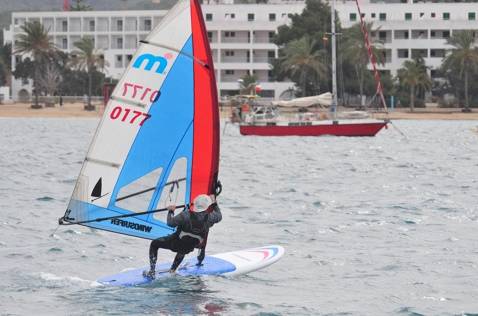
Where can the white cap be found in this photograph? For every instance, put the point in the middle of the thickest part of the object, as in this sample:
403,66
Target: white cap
201,203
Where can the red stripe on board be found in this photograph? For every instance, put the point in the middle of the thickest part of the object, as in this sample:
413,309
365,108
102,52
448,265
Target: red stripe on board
205,161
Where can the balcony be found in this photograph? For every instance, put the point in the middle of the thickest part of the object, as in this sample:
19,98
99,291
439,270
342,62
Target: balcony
232,59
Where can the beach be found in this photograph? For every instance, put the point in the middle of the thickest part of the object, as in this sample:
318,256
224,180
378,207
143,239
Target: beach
77,110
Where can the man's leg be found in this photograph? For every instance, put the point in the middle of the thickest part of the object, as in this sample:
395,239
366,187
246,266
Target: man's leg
202,254
177,261
163,242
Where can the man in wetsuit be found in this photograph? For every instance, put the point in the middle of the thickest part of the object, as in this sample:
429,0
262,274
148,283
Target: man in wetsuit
192,228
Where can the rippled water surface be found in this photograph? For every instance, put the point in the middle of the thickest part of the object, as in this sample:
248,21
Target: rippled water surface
371,226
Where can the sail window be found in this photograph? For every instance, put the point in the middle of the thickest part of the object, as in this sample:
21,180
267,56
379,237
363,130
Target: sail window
174,191
137,195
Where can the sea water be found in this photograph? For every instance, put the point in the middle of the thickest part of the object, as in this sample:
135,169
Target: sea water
371,226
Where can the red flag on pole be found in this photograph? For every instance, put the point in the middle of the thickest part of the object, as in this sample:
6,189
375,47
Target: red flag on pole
66,5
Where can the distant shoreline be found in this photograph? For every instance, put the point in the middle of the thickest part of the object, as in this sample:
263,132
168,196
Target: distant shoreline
75,110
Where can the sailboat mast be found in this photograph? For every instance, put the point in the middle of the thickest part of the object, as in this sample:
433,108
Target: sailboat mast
334,61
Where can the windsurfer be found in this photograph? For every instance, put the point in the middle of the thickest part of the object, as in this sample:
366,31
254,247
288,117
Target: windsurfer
192,228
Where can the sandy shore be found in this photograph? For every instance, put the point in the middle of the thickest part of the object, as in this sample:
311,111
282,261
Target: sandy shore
67,110
76,110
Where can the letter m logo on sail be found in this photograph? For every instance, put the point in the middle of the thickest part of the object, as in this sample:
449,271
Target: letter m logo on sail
149,61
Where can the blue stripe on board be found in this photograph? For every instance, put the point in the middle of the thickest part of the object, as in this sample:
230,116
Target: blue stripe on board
167,135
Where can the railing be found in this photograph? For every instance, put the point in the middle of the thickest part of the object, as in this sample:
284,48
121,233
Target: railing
228,59
262,40
235,39
263,59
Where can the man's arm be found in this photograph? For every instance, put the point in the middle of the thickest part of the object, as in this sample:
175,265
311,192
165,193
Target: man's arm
215,216
174,221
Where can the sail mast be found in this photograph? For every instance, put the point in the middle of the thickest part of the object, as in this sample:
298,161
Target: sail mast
334,61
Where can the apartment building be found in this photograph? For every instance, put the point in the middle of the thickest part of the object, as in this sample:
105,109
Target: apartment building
412,29
240,34
240,37
115,33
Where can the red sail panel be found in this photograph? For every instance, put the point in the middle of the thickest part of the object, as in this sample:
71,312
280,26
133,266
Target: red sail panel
205,161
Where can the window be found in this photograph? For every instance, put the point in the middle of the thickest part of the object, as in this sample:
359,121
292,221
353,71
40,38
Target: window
382,16
382,35
272,17
209,36
432,34
422,15
446,34
129,57
229,72
271,54
147,25
64,26
136,196
91,25
433,15
233,16
353,17
374,15
119,42
208,16
229,53
229,34
363,15
64,43
250,17
471,16
446,15
119,61
119,25
271,35
402,53
408,16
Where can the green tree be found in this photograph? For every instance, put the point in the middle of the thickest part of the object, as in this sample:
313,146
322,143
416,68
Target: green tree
414,76
87,58
314,23
34,40
463,59
355,52
301,58
248,84
80,5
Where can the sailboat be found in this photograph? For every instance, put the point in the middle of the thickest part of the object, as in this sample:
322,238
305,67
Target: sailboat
157,143
313,127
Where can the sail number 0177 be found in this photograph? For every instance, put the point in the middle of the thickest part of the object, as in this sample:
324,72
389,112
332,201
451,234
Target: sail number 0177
138,91
128,115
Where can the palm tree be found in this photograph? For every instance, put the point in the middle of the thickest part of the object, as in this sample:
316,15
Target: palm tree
248,83
464,58
301,57
89,59
356,53
79,5
35,41
414,75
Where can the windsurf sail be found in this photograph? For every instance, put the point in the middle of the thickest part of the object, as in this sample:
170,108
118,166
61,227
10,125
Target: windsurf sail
158,142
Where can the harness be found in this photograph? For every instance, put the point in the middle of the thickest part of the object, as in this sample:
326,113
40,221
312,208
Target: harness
198,233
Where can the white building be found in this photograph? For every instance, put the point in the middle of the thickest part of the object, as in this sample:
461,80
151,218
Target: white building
410,30
240,34
116,34
240,37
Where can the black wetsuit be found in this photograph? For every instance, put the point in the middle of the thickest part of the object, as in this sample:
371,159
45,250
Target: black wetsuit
192,230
